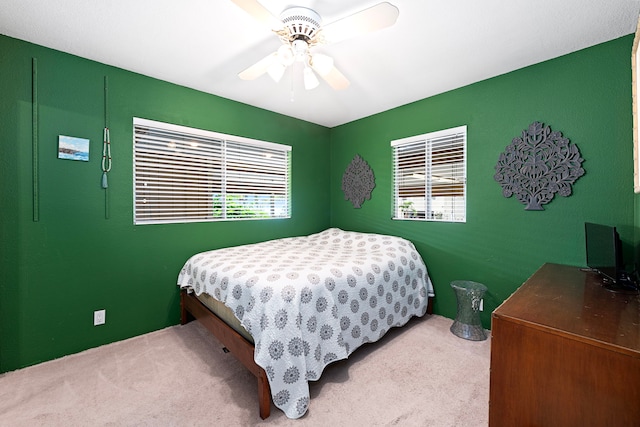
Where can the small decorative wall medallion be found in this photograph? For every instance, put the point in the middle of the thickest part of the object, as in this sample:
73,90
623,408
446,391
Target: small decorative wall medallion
358,182
537,165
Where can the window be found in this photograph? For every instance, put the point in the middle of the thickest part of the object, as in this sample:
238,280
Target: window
191,175
429,176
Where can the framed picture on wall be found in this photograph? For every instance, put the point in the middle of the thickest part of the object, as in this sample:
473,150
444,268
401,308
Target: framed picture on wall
73,148
635,81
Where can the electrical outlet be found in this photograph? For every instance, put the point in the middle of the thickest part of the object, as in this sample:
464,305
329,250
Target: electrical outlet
99,317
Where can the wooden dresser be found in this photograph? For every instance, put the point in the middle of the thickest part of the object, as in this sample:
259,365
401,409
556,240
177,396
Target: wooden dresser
565,352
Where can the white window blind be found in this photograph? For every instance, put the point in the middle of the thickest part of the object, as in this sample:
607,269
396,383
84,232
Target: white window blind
183,174
429,176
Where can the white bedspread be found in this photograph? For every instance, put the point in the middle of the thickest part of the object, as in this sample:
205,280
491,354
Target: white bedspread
309,301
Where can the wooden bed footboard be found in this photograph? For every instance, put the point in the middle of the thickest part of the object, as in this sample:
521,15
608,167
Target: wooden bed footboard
243,350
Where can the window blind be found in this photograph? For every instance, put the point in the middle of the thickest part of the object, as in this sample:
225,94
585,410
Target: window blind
429,176
183,174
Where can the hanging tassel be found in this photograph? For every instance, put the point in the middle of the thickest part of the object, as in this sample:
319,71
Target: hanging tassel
106,157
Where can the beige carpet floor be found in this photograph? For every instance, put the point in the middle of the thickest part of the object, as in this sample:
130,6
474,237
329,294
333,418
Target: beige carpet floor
418,375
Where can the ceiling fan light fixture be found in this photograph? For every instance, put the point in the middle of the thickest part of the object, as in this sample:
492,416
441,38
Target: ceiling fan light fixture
285,55
310,79
323,64
276,70
300,49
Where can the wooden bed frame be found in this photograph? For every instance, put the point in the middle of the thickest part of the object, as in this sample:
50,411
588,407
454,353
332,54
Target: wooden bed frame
243,350
191,308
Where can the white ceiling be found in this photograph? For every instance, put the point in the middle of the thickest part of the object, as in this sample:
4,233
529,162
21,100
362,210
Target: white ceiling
435,45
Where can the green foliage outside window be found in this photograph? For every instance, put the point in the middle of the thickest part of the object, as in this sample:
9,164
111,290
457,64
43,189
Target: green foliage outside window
238,207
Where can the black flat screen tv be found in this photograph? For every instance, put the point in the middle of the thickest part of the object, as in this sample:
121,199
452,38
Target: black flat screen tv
603,251
604,256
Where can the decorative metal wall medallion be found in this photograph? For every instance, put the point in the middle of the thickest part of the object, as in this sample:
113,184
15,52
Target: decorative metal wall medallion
358,182
537,165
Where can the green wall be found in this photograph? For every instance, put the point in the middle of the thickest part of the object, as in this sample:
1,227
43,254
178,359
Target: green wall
84,253
586,95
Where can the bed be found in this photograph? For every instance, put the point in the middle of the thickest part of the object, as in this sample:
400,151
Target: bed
298,304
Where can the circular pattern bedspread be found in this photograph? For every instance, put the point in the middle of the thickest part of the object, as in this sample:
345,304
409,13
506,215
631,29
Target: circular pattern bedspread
309,301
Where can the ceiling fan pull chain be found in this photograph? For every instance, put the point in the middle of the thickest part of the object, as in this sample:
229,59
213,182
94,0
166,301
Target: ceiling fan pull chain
292,93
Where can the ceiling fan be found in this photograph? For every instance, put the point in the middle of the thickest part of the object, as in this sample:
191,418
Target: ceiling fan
300,29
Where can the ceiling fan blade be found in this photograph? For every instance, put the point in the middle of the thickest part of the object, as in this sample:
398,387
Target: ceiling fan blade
260,13
375,18
259,68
